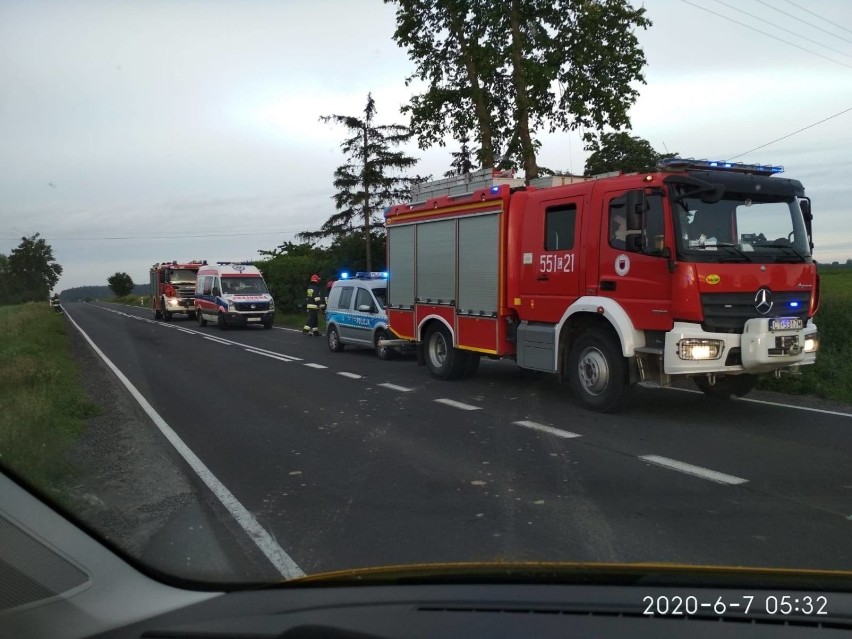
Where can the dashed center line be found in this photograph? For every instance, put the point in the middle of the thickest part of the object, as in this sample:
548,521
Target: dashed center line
183,330
397,388
349,375
273,356
696,471
218,341
310,365
455,404
547,429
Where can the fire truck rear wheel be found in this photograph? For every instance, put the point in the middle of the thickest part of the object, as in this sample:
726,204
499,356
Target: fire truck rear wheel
597,372
442,360
383,352
200,318
727,387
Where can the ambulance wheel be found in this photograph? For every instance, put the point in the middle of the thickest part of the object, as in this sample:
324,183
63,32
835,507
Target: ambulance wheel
334,343
267,324
223,325
597,372
727,387
383,352
201,321
442,360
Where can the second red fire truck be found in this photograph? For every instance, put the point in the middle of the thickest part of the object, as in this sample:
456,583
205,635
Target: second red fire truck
173,288
700,269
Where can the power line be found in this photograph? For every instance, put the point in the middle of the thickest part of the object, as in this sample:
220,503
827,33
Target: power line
154,237
810,126
767,34
777,26
818,16
797,19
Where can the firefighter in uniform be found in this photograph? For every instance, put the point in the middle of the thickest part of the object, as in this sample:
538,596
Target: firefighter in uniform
314,302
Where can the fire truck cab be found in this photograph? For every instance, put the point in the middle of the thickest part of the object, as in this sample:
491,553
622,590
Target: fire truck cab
699,269
173,288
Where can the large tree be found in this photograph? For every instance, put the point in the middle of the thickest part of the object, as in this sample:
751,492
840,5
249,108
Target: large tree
371,179
30,272
508,70
121,284
619,151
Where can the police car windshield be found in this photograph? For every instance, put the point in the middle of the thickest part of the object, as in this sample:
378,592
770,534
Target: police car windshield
244,286
381,295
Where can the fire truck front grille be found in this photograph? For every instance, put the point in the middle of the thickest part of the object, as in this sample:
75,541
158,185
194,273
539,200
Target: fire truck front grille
728,312
186,292
252,306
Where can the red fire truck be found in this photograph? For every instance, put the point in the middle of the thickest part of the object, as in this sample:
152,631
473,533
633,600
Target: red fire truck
173,288
700,269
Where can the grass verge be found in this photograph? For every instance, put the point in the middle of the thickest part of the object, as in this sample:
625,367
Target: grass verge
831,376
42,403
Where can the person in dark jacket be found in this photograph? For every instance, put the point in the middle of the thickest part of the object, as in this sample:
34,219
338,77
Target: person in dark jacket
314,301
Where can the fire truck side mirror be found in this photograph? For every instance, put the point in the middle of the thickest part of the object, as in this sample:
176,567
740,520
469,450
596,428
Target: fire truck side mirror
637,206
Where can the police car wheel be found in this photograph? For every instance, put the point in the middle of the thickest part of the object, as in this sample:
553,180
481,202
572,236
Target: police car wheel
728,387
597,371
383,352
334,343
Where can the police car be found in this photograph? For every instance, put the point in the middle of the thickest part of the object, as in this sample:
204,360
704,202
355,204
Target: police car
355,313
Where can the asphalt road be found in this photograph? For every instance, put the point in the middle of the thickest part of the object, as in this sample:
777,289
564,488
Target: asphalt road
347,461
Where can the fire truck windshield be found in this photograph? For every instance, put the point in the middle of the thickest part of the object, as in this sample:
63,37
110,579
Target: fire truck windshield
181,276
753,227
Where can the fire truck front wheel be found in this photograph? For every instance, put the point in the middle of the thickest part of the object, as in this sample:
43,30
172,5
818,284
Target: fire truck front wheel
597,372
442,360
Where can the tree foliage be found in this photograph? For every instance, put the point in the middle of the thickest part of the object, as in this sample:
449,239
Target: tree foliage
121,284
619,151
29,273
371,178
505,71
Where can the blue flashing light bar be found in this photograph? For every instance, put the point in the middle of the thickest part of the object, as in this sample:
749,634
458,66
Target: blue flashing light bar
720,165
344,275
495,189
794,304
371,275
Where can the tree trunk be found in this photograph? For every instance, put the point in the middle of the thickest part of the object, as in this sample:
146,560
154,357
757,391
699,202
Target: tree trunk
519,80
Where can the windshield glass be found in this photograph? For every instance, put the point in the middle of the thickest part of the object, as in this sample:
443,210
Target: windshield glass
244,286
559,362
765,227
182,276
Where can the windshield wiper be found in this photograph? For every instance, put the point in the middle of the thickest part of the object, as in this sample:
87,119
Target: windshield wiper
728,245
784,247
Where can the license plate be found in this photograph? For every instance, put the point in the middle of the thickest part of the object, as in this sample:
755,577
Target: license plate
786,324
253,319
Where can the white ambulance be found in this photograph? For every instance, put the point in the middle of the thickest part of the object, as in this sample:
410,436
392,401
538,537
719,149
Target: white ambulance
232,294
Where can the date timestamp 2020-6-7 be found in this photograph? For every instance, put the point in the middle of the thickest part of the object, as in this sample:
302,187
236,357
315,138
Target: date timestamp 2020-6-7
764,604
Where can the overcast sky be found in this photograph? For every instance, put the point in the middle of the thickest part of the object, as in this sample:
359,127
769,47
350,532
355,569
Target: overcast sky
142,131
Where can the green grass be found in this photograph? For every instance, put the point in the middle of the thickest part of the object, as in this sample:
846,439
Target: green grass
297,320
132,300
42,402
831,376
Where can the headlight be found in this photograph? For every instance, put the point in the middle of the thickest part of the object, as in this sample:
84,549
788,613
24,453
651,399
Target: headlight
231,306
811,342
699,349
271,305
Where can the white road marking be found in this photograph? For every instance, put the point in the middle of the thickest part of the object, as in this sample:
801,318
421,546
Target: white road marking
697,471
218,341
455,404
397,388
257,349
547,429
183,330
768,403
309,365
349,375
267,544
278,357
